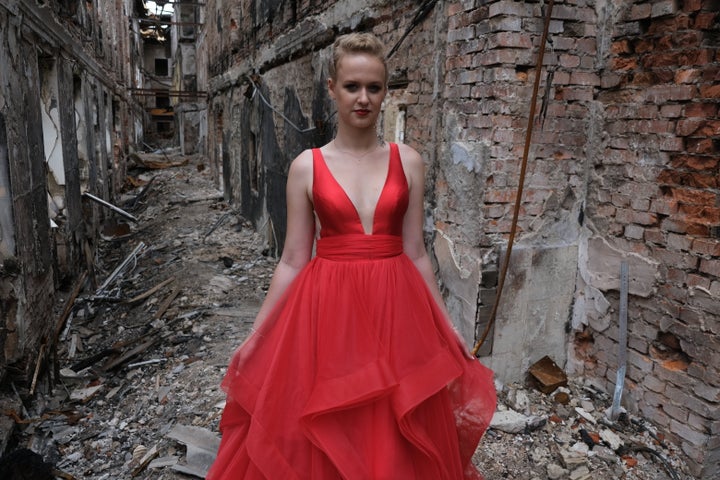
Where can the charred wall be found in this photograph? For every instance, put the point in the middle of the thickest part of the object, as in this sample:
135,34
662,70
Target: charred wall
67,121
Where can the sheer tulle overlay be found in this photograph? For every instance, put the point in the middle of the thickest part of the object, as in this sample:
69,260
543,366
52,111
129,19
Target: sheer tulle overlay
356,374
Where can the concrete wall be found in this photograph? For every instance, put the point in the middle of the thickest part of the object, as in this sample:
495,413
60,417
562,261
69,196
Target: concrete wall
65,125
622,166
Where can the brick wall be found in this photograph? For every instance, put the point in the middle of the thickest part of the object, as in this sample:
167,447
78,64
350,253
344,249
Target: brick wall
655,193
623,166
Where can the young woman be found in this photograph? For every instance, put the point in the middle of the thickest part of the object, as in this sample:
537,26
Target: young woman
354,371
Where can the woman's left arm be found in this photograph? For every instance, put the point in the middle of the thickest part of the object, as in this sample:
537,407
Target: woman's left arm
413,238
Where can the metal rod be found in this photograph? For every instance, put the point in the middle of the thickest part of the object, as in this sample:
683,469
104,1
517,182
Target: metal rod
138,250
110,206
521,180
168,22
622,342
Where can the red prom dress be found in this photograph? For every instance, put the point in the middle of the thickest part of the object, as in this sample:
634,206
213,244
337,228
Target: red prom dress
356,374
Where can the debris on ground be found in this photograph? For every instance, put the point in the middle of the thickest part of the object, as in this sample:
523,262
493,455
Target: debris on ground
143,347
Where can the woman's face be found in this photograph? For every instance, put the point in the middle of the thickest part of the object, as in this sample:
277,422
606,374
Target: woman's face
358,89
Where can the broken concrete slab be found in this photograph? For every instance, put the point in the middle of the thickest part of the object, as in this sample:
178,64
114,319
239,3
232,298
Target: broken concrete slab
202,446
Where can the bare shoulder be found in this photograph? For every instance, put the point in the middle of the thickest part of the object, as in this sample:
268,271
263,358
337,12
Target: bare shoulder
411,160
302,164
301,169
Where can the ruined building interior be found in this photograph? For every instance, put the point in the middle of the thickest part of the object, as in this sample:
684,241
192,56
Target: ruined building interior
615,264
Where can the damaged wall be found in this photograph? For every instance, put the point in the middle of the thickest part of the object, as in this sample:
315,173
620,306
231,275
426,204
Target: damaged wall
65,122
622,166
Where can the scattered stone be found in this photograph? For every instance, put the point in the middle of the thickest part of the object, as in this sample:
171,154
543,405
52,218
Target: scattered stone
581,473
510,421
556,472
94,436
581,411
611,439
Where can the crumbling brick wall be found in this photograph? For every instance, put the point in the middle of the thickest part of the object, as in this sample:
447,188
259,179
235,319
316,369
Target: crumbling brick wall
654,198
622,167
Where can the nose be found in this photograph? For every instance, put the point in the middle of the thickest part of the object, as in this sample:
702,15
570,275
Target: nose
363,96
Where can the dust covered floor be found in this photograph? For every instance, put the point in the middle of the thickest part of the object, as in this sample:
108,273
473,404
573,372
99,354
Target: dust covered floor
142,354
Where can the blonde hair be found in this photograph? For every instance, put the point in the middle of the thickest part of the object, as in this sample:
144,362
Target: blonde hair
356,43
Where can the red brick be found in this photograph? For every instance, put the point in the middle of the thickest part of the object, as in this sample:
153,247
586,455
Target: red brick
705,20
702,146
711,128
655,236
711,267
701,214
640,218
706,247
687,75
689,6
676,276
508,7
454,8
500,196
703,110
675,225
624,63
621,46
666,93
689,39
694,162
509,39
678,260
689,126
670,24
694,280
639,11
694,197
710,91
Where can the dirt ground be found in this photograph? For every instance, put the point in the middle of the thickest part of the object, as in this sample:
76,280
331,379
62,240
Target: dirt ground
143,353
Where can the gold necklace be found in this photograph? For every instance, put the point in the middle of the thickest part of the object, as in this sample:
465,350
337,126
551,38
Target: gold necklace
355,156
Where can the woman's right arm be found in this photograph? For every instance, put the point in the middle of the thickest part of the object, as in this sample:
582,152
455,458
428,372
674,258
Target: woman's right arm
297,249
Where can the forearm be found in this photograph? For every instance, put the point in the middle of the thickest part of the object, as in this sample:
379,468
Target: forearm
424,266
283,276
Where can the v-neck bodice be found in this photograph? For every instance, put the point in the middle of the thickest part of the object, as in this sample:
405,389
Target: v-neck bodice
338,215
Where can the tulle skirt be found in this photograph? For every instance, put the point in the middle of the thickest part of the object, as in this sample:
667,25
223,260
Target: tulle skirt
355,375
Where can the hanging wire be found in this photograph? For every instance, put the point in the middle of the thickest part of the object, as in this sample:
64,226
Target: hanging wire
256,90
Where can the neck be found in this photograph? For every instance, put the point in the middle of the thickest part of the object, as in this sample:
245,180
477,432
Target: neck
362,140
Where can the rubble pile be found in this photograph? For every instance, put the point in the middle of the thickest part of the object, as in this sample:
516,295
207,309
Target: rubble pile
567,434
143,350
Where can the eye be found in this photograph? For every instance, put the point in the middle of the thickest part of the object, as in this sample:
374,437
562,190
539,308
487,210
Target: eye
350,87
375,88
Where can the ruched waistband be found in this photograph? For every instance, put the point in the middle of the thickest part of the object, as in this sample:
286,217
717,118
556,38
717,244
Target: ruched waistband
359,247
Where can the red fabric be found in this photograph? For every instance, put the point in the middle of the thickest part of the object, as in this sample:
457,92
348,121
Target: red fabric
355,375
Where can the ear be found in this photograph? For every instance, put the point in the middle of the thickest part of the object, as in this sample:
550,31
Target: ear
331,88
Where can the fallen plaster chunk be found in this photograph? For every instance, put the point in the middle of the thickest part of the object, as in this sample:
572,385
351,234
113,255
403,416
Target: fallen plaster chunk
587,416
202,446
510,421
161,462
611,438
84,394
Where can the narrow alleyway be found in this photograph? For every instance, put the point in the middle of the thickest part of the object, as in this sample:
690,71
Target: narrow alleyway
141,360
